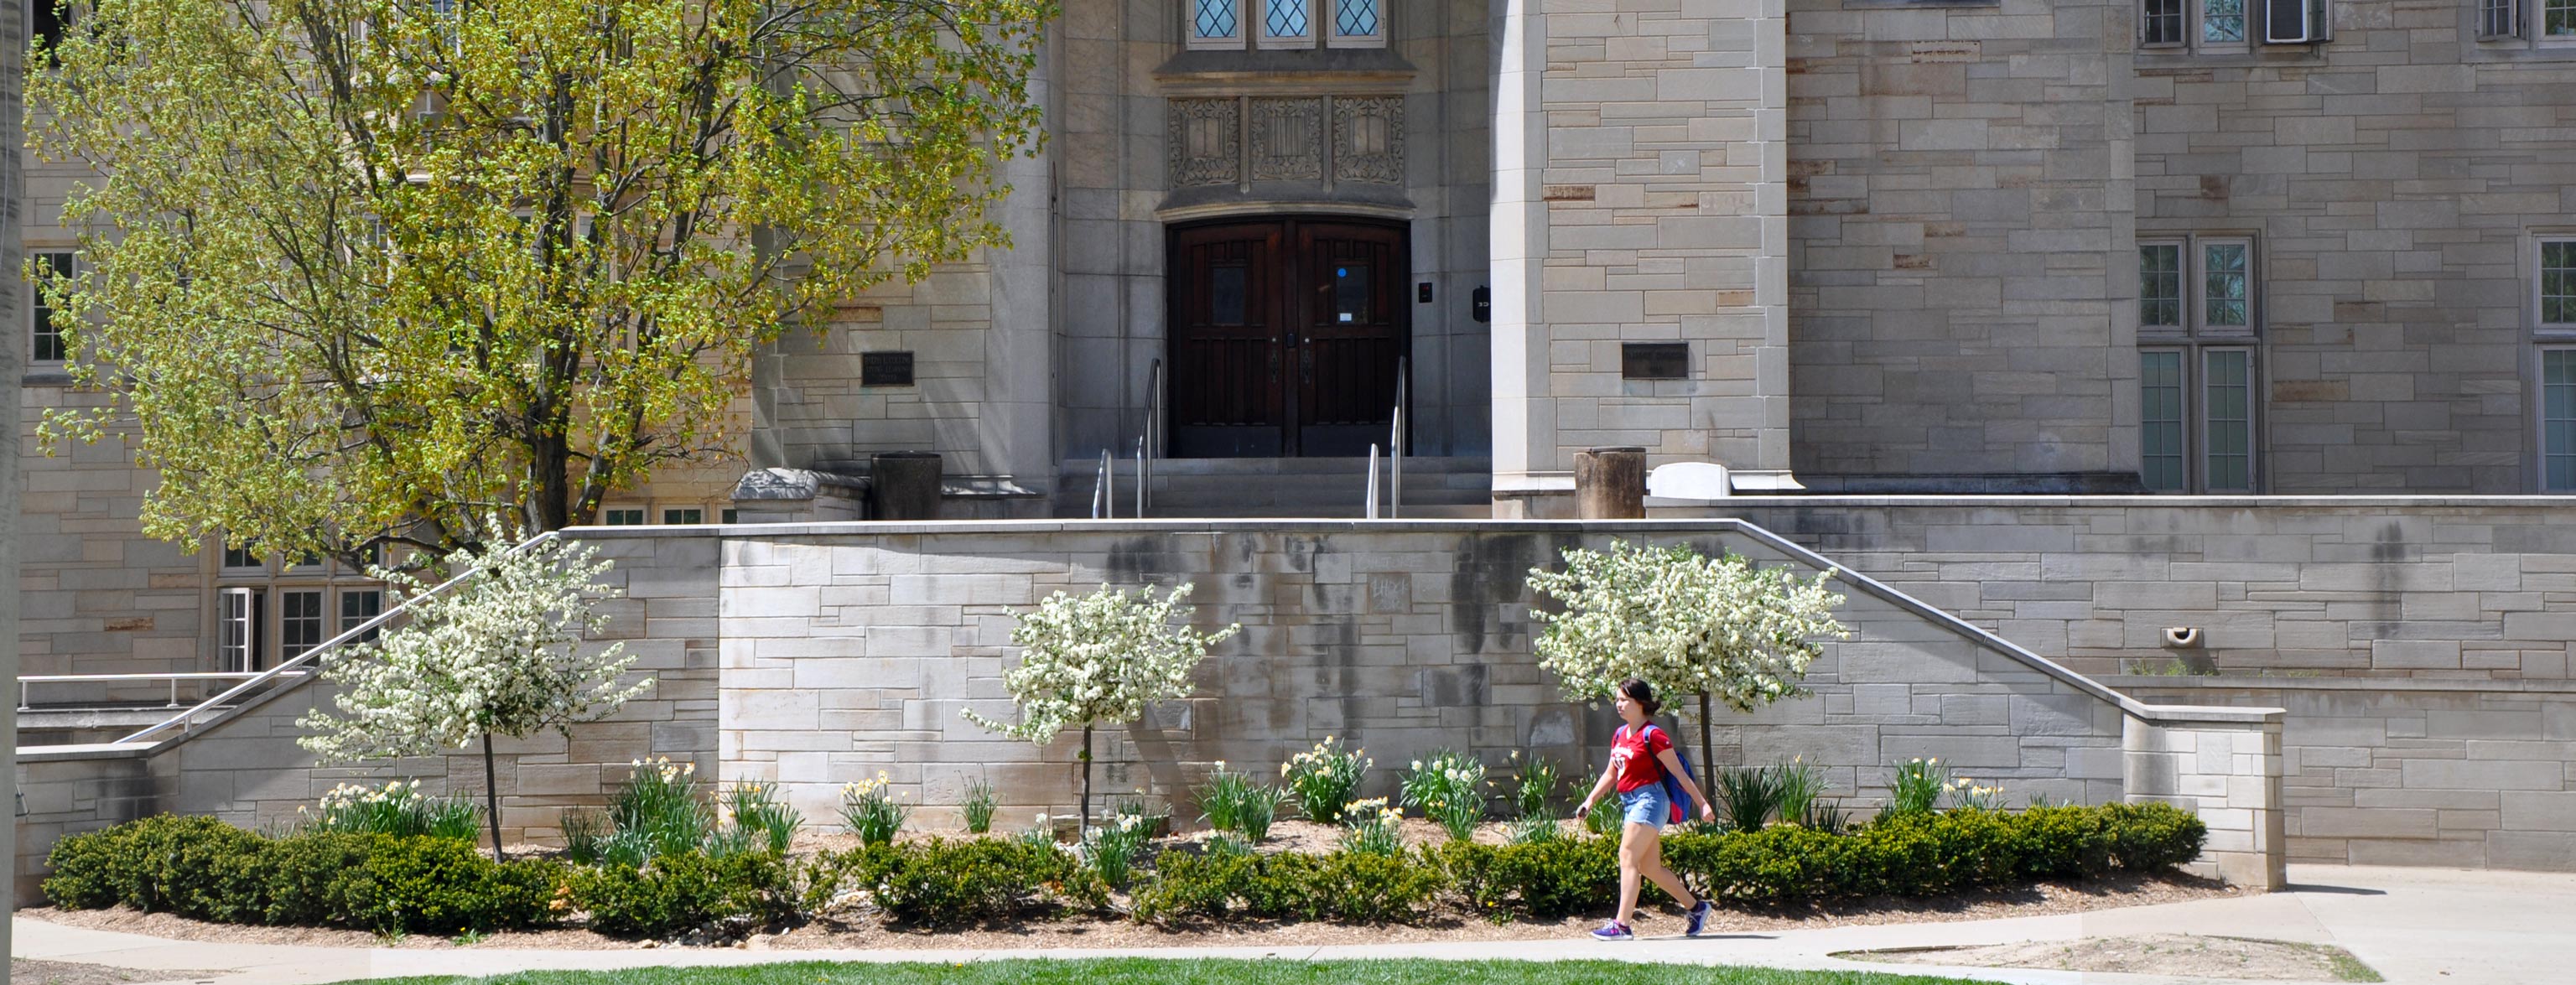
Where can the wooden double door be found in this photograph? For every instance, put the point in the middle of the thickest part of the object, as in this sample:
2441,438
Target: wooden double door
1287,337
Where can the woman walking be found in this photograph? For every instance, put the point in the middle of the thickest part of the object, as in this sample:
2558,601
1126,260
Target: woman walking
1641,755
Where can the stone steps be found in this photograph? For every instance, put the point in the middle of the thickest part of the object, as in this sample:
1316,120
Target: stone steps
1285,487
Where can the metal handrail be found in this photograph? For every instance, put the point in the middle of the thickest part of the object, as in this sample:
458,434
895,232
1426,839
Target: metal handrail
1394,445
1104,491
1371,498
186,720
1150,447
26,704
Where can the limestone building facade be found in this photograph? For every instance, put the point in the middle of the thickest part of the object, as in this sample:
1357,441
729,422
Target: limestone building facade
1836,246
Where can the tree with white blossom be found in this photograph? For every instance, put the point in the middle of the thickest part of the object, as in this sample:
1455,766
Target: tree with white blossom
501,654
1099,659
1685,623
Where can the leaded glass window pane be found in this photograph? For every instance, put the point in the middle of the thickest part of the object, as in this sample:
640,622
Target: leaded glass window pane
2160,285
1355,18
1286,19
2558,419
1215,18
2224,285
2228,413
2222,21
2558,282
2161,430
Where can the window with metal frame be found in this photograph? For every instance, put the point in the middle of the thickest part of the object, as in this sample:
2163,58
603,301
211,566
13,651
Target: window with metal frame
299,621
2499,19
357,605
2556,283
684,516
1237,25
2198,315
237,616
2558,419
1356,23
44,334
622,516
1286,23
2558,19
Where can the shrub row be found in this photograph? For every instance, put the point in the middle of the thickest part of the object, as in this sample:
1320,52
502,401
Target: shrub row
949,882
1905,855
201,867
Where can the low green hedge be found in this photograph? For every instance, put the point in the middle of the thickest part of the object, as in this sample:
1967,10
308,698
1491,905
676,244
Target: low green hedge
1353,887
686,890
941,881
202,868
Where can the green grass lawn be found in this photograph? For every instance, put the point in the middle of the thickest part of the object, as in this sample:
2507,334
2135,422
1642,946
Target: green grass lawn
1154,971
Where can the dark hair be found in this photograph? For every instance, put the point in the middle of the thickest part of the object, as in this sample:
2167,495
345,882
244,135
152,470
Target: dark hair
1641,693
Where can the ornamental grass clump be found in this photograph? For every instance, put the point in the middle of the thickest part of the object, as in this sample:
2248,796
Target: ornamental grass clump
1372,827
1969,795
1747,797
398,808
1450,790
759,818
661,810
1915,786
978,807
1112,848
1235,802
1323,779
1798,785
1099,659
871,811
1539,780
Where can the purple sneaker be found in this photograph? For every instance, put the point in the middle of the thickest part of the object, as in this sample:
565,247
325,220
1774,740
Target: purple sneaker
1698,918
1614,931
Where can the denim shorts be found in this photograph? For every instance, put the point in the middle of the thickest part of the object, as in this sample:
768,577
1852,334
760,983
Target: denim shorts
1646,805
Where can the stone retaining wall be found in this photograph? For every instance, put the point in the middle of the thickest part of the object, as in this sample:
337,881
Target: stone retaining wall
817,655
2465,774
2412,587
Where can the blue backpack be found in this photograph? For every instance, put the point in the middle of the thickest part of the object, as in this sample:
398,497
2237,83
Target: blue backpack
1673,792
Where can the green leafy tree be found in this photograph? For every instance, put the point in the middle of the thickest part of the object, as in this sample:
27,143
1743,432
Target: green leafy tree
1099,659
500,654
1685,623
360,271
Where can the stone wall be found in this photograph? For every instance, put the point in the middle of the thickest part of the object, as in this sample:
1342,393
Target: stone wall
2449,773
246,768
2392,180
848,650
816,655
2387,587
1962,278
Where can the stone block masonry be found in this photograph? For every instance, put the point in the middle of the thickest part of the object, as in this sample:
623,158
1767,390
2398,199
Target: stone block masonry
839,650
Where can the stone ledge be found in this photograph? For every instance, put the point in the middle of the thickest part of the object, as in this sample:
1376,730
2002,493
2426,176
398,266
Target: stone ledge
2221,682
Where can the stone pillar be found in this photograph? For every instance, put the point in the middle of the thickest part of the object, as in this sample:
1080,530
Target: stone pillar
1015,425
2223,764
1665,222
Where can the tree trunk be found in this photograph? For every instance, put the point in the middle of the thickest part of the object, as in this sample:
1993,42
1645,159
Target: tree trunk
492,798
1707,752
550,493
1086,782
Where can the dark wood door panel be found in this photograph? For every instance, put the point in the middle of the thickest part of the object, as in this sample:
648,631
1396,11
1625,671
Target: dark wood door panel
1286,336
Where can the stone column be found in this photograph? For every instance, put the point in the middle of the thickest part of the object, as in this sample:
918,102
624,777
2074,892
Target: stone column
2223,764
1640,197
1015,427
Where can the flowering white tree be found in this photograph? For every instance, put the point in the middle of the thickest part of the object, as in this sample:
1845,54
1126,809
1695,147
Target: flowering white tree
498,655
1099,659
1684,623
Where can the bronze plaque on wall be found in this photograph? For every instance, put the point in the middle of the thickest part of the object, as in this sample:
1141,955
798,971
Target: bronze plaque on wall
1654,360
885,369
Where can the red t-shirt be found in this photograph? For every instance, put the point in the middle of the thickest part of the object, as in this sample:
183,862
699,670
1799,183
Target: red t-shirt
1634,754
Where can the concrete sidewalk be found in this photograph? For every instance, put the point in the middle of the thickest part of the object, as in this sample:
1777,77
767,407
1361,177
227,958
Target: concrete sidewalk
2428,926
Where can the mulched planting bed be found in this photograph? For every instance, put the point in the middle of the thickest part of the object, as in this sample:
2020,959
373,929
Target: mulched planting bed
1082,930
